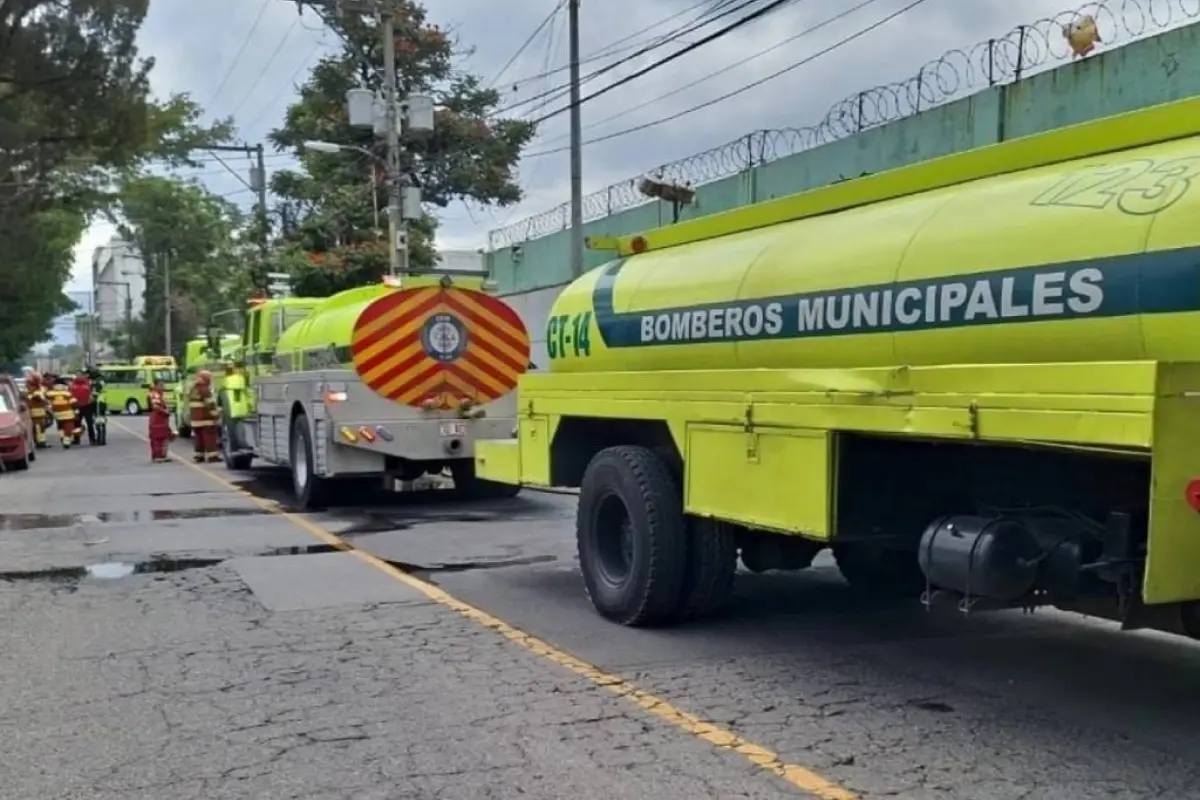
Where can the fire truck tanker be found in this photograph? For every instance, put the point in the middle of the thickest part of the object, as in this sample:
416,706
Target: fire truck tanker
976,380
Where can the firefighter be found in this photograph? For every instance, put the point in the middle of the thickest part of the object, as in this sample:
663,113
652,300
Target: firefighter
62,406
160,424
204,416
35,395
85,403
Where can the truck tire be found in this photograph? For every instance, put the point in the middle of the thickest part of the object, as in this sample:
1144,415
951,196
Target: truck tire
879,572
470,487
712,554
133,407
311,491
234,460
632,537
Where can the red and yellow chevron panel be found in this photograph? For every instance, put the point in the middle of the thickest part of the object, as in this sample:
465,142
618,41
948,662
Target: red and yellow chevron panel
440,345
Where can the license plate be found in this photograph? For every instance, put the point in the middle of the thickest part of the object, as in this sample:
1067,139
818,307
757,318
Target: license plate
454,429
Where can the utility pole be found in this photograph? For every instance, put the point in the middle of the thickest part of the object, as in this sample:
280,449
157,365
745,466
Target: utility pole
397,227
259,179
166,270
129,318
576,143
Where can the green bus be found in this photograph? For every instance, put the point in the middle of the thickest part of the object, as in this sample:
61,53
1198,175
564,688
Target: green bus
126,386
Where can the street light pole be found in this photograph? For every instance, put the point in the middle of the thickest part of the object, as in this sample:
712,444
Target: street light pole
166,268
577,262
397,233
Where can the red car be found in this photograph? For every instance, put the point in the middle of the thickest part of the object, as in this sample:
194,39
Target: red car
16,428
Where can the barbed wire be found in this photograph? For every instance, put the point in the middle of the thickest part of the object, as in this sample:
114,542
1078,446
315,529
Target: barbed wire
1010,58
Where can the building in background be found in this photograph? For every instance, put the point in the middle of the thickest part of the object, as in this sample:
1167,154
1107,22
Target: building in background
463,260
118,284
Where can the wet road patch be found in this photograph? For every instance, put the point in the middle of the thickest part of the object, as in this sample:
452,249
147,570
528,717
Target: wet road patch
32,522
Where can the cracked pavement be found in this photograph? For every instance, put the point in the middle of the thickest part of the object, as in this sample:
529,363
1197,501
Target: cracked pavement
279,676
183,684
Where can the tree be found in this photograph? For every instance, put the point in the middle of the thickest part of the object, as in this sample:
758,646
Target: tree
180,226
75,111
330,209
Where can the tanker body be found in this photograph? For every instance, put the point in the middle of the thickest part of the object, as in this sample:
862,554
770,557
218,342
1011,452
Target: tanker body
386,382
976,380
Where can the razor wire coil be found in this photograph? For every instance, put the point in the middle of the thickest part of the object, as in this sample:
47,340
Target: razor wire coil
1002,60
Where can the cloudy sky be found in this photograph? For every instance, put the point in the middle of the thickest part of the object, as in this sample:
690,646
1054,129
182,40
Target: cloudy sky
244,57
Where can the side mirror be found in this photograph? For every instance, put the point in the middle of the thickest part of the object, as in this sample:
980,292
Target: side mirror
23,407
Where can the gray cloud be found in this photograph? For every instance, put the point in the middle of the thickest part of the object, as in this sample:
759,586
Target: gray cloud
195,44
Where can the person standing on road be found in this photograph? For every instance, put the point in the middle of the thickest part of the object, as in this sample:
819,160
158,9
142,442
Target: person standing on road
35,396
160,425
62,406
85,401
204,415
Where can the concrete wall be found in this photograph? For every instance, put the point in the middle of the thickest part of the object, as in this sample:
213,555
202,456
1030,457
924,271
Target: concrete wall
1141,74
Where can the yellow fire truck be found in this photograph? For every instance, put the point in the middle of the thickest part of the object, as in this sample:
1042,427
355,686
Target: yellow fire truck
975,379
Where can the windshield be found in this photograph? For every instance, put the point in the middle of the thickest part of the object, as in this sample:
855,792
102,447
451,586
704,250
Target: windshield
166,375
293,315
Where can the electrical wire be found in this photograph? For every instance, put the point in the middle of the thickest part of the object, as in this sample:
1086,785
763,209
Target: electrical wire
525,45
292,81
622,46
774,5
240,52
564,88
758,54
553,45
262,72
747,87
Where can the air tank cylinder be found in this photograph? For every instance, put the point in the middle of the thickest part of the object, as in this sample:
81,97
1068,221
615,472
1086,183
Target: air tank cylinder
977,556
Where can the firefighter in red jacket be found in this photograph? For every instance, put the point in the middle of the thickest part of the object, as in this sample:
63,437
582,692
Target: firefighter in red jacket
204,416
85,404
160,424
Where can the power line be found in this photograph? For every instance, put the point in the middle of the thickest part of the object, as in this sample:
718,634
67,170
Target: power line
525,45
270,60
303,65
623,45
563,89
813,29
241,51
712,37
671,118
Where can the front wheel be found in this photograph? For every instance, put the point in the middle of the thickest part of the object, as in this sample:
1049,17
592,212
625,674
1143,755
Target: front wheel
310,490
133,407
234,460
632,537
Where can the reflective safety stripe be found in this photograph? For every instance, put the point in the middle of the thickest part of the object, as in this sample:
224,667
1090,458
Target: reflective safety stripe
203,423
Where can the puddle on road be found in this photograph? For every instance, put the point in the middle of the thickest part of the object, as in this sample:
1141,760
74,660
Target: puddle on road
30,522
389,523
115,570
472,566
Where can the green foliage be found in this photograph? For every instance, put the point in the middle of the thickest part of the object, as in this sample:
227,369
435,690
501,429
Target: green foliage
180,228
331,239
75,112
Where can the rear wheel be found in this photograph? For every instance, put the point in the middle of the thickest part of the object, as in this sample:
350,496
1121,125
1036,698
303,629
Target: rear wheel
712,553
310,490
133,407
632,537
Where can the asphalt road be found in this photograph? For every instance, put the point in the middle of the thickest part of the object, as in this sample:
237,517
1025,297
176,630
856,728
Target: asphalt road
169,635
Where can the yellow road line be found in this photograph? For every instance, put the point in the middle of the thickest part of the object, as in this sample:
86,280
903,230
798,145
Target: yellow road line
800,777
